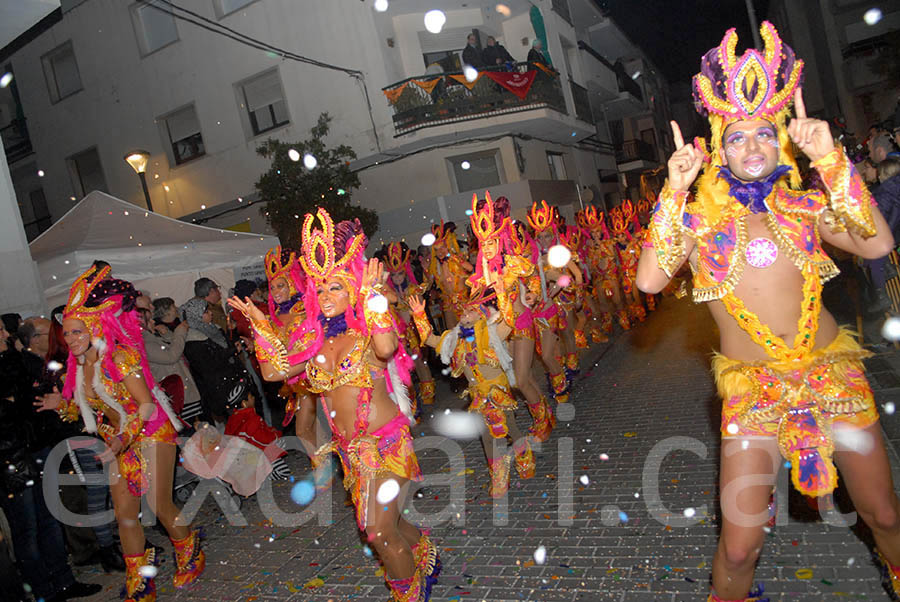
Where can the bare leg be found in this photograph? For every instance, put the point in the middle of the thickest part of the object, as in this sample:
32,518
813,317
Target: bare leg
746,478
868,479
549,351
384,536
422,369
127,508
523,356
305,424
161,460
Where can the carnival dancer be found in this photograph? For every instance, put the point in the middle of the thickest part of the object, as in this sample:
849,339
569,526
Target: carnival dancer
449,269
283,330
604,268
628,248
754,243
402,281
587,311
501,265
111,388
475,348
353,361
564,282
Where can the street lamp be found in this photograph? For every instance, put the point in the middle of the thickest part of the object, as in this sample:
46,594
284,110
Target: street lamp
138,160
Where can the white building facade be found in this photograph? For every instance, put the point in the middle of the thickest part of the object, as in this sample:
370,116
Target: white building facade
100,78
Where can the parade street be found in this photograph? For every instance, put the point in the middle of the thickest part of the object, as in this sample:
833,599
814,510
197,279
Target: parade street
592,510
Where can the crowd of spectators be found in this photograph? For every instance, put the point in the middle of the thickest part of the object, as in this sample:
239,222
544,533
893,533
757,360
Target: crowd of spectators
198,354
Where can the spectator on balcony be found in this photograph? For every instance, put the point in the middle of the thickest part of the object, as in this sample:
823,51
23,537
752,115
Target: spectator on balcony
536,54
471,55
495,54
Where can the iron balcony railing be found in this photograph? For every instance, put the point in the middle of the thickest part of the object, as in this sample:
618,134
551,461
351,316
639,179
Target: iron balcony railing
453,99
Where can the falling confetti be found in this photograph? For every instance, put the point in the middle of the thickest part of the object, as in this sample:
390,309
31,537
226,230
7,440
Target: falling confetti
466,165
458,425
148,571
584,480
689,512
303,492
5,79
889,407
503,10
54,366
388,491
294,155
434,20
604,457
309,161
381,5
732,429
559,256
377,304
540,555
891,329
872,16
428,239
471,74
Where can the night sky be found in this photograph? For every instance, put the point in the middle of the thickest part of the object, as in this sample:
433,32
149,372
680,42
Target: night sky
676,33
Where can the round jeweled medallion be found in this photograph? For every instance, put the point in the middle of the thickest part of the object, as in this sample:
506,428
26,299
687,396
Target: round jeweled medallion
761,252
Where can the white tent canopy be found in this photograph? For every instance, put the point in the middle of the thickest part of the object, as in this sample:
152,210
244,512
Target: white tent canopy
158,254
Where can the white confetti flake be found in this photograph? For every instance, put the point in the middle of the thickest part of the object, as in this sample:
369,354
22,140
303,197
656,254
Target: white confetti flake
471,74
309,161
584,480
388,491
377,304
434,20
558,256
428,239
889,407
458,425
294,155
381,5
148,571
872,16
689,512
891,329
540,555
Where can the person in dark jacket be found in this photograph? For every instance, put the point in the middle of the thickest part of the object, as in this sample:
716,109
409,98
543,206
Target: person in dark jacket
495,54
536,55
37,537
471,55
212,359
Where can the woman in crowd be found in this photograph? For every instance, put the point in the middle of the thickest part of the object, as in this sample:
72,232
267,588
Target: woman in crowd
109,384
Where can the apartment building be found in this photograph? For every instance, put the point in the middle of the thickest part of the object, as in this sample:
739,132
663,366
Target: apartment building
97,79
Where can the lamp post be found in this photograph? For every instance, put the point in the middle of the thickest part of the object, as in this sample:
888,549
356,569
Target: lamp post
138,160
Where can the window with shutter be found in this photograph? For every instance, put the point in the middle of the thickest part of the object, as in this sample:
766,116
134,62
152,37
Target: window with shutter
264,101
183,129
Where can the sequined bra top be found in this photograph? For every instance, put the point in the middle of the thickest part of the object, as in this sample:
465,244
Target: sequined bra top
352,370
721,248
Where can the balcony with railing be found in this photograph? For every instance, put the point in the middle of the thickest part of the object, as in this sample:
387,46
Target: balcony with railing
15,138
440,99
621,95
636,152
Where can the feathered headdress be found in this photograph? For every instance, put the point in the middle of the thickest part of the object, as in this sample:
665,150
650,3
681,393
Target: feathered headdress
541,217
446,233
325,255
618,220
106,306
282,263
397,259
485,223
756,85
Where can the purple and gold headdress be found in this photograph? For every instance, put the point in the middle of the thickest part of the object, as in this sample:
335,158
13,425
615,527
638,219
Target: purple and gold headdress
756,85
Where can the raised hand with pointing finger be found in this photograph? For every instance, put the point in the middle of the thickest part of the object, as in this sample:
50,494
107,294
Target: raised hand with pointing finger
813,136
684,164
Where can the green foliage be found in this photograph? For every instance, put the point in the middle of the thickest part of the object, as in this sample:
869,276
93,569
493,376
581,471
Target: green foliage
290,190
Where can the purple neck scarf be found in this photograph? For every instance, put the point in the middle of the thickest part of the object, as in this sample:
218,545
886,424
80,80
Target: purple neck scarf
286,307
752,195
332,327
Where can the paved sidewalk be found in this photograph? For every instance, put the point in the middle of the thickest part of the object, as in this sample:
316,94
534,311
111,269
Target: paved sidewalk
643,389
